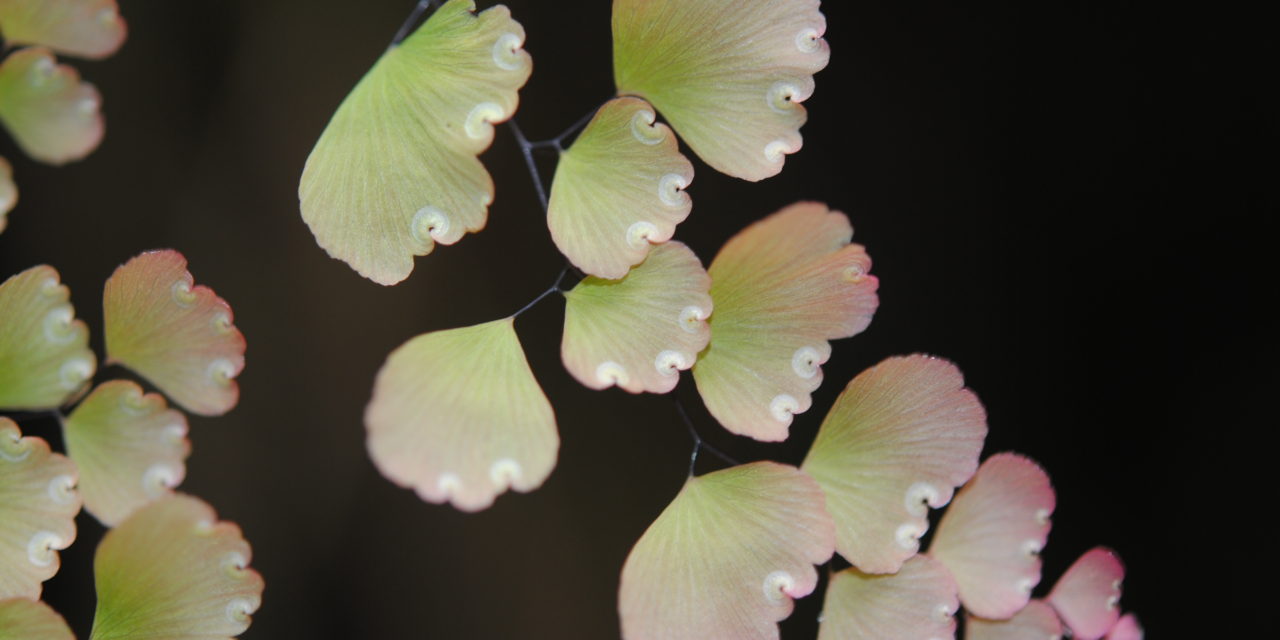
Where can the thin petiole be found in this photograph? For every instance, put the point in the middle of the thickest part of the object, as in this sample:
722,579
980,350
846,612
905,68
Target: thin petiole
554,288
412,20
526,148
698,442
536,300
558,141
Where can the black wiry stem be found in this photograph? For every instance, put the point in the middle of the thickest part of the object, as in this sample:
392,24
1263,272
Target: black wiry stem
554,288
418,10
698,442
526,148
558,141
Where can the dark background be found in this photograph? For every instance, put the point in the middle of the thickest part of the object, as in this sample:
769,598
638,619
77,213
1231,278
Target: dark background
1063,198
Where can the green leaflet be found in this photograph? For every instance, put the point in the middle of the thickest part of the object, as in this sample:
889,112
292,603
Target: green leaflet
38,506
130,448
176,334
727,74
84,28
618,190
458,416
782,287
44,349
25,619
899,439
395,171
641,331
171,571
52,115
726,557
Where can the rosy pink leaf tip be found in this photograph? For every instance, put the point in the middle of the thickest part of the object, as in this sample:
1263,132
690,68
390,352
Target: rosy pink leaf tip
991,536
8,192
177,335
1087,596
1127,628
1036,621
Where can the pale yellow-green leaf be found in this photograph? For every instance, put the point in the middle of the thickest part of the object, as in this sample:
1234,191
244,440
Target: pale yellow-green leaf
782,287
618,190
899,439
84,28
172,571
919,601
457,416
641,331
27,619
38,506
726,557
729,75
129,446
395,171
44,349
51,114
